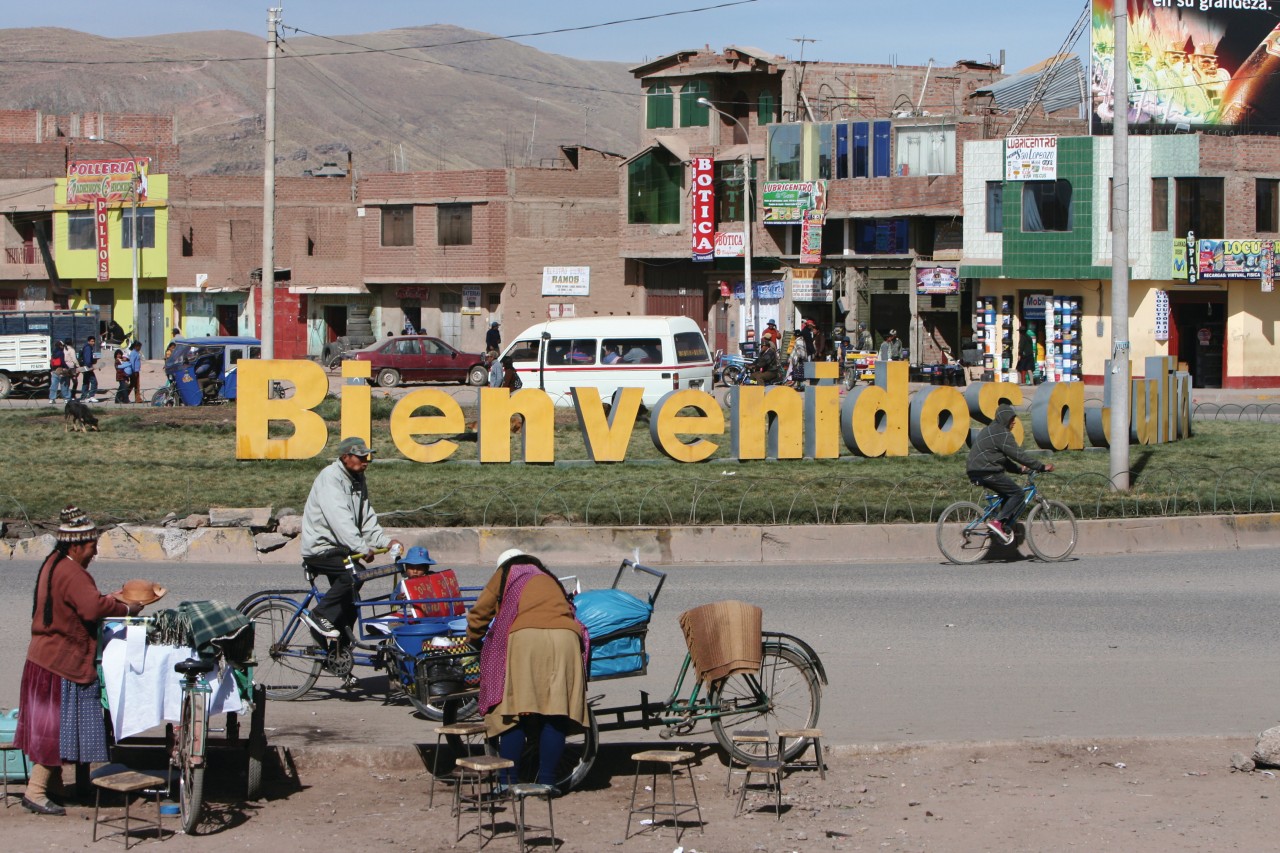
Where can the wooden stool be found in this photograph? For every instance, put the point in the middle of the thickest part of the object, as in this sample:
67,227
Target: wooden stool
772,771
6,748
756,737
814,737
671,809
522,791
477,778
468,732
127,782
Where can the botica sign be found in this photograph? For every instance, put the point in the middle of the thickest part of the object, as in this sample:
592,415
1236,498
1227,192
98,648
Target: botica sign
884,419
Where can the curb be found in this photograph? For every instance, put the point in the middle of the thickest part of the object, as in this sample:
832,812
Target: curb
819,543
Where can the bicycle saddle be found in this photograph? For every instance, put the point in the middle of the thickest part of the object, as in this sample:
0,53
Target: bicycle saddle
195,666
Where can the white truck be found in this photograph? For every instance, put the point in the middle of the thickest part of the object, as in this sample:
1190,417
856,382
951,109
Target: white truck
24,363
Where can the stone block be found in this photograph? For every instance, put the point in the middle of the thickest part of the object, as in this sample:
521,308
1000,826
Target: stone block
34,548
194,521
267,542
289,525
1267,750
126,542
288,554
240,516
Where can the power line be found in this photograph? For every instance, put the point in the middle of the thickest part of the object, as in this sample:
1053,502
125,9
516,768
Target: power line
584,27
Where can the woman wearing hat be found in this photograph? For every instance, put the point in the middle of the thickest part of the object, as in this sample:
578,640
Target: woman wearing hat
532,663
61,717
771,333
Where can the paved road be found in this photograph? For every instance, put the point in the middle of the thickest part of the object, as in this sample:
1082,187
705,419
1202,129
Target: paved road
1168,644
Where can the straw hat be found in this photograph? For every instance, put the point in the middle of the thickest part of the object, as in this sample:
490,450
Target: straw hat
140,592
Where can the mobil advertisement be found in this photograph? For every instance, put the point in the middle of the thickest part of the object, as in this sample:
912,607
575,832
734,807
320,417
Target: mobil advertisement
1192,63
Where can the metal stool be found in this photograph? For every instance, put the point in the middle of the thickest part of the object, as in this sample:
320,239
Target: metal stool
671,809
522,791
477,778
127,782
6,748
772,771
753,736
468,732
815,740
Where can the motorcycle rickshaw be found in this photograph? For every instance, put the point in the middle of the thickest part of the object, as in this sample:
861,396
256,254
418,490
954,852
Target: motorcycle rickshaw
203,370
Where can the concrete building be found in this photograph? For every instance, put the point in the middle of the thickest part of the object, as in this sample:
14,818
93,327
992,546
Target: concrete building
1039,247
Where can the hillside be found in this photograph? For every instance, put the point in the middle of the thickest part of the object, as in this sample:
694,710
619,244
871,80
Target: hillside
434,105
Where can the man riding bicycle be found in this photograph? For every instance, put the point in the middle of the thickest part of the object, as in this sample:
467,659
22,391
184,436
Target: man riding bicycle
339,526
994,452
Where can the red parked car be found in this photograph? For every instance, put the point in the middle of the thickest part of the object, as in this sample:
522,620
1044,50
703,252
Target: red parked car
421,358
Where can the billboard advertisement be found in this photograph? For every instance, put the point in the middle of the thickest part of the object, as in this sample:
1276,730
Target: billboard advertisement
1192,64
1031,158
785,202
113,180
937,281
703,214
1240,259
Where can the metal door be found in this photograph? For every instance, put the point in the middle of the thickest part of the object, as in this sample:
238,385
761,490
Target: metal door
152,320
451,319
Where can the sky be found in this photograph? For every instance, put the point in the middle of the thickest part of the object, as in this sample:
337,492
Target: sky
908,33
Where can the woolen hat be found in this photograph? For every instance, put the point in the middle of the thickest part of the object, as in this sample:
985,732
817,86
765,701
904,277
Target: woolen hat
354,447
75,527
416,556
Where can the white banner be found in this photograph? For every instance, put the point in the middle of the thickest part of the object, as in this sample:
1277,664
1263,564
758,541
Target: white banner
1031,158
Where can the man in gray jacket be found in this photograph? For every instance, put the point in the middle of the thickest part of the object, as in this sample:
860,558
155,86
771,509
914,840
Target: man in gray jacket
993,453
338,527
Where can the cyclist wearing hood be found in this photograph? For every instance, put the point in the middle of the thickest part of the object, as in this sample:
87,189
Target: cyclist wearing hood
995,452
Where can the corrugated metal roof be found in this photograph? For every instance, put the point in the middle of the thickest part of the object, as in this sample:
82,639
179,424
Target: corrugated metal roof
1066,90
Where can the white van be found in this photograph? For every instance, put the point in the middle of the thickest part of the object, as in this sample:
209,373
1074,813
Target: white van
658,354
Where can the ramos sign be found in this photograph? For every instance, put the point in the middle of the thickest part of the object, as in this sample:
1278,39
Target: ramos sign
884,419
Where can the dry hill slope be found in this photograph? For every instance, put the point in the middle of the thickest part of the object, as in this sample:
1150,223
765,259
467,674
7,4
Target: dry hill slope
435,105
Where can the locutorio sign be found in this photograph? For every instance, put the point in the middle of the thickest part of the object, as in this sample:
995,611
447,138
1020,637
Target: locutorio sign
884,419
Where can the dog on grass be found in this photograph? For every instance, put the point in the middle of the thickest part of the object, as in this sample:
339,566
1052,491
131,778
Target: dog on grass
77,415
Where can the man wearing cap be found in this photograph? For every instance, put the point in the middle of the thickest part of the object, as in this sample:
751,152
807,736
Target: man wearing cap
338,526
771,333
61,701
891,349
493,338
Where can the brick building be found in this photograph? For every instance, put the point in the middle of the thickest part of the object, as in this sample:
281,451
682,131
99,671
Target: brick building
450,252
879,147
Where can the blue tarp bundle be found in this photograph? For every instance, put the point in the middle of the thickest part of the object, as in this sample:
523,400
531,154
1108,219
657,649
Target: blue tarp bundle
607,611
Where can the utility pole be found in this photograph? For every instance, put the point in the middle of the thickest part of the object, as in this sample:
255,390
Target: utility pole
269,195
1120,371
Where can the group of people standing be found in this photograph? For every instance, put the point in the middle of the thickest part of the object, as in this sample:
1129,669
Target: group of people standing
69,368
809,344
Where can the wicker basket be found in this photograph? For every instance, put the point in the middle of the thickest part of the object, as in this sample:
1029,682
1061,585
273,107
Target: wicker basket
723,638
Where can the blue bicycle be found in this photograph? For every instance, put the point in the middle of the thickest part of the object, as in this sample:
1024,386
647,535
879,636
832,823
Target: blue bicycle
291,657
1050,527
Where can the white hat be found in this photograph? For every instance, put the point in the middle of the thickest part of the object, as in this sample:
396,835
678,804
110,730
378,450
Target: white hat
509,554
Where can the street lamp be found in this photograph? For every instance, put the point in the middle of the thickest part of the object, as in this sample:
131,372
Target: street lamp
133,223
746,215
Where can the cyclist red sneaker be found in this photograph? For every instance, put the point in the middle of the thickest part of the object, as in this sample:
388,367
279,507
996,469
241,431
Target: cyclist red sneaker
1000,533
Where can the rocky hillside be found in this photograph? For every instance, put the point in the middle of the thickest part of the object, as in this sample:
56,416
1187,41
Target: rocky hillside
402,100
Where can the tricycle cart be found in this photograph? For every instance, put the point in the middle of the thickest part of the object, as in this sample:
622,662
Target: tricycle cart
783,690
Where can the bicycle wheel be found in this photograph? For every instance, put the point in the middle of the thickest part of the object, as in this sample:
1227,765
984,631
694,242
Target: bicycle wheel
434,711
575,764
962,538
1051,531
733,375
784,694
190,759
287,659
257,745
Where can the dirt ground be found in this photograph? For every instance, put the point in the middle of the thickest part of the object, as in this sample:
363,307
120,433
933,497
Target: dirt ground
1132,795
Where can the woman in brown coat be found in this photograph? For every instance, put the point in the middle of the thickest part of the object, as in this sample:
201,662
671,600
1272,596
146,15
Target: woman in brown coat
532,663
61,716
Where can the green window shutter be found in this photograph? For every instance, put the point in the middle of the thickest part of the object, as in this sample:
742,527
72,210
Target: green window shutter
765,108
692,113
658,106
